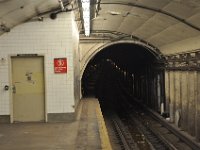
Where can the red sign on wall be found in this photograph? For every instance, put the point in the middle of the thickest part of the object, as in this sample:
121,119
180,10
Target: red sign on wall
60,65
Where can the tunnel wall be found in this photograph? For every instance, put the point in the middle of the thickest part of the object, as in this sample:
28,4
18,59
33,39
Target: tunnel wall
117,86
182,88
148,87
148,80
88,48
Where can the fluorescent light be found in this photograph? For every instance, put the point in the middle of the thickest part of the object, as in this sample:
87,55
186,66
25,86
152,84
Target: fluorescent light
86,16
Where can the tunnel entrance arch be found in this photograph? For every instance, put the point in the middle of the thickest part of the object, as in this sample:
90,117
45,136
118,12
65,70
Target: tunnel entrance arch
92,52
136,67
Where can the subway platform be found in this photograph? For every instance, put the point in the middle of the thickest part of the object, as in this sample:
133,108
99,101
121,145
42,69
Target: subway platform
88,132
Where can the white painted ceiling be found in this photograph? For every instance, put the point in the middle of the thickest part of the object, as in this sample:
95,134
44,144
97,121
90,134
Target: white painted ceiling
159,22
14,12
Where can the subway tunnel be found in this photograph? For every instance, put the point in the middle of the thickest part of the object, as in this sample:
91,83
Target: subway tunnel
134,67
146,50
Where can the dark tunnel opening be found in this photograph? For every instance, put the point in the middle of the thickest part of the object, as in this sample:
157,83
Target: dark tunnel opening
125,68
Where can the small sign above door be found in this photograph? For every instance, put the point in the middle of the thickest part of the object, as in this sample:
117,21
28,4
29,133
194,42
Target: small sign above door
60,65
27,55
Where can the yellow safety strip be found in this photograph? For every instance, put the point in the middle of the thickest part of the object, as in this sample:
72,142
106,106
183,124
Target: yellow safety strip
105,141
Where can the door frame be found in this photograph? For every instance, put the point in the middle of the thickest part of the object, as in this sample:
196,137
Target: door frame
10,82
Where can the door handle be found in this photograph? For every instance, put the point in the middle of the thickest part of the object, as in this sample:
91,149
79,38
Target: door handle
14,89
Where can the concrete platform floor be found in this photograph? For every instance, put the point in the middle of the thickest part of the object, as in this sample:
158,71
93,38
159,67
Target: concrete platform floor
38,136
83,134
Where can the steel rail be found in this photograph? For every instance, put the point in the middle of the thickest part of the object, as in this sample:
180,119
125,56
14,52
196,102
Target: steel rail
176,131
173,129
122,136
124,133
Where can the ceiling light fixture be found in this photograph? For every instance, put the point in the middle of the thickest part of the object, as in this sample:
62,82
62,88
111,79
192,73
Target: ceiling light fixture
86,16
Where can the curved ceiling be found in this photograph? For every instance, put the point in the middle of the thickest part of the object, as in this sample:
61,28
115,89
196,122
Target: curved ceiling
159,22
14,12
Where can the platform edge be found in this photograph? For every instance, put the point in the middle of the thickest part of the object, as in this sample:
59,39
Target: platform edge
105,141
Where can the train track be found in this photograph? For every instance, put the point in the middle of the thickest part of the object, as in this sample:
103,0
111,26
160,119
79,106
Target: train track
156,141
138,130
124,134
138,127
131,135
172,137
121,138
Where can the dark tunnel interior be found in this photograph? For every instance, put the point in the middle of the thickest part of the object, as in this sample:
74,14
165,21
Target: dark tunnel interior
125,68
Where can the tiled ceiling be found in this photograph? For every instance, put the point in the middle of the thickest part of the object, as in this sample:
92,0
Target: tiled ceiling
159,22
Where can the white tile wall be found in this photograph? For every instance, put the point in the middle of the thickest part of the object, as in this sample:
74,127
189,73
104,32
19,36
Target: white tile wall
51,38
